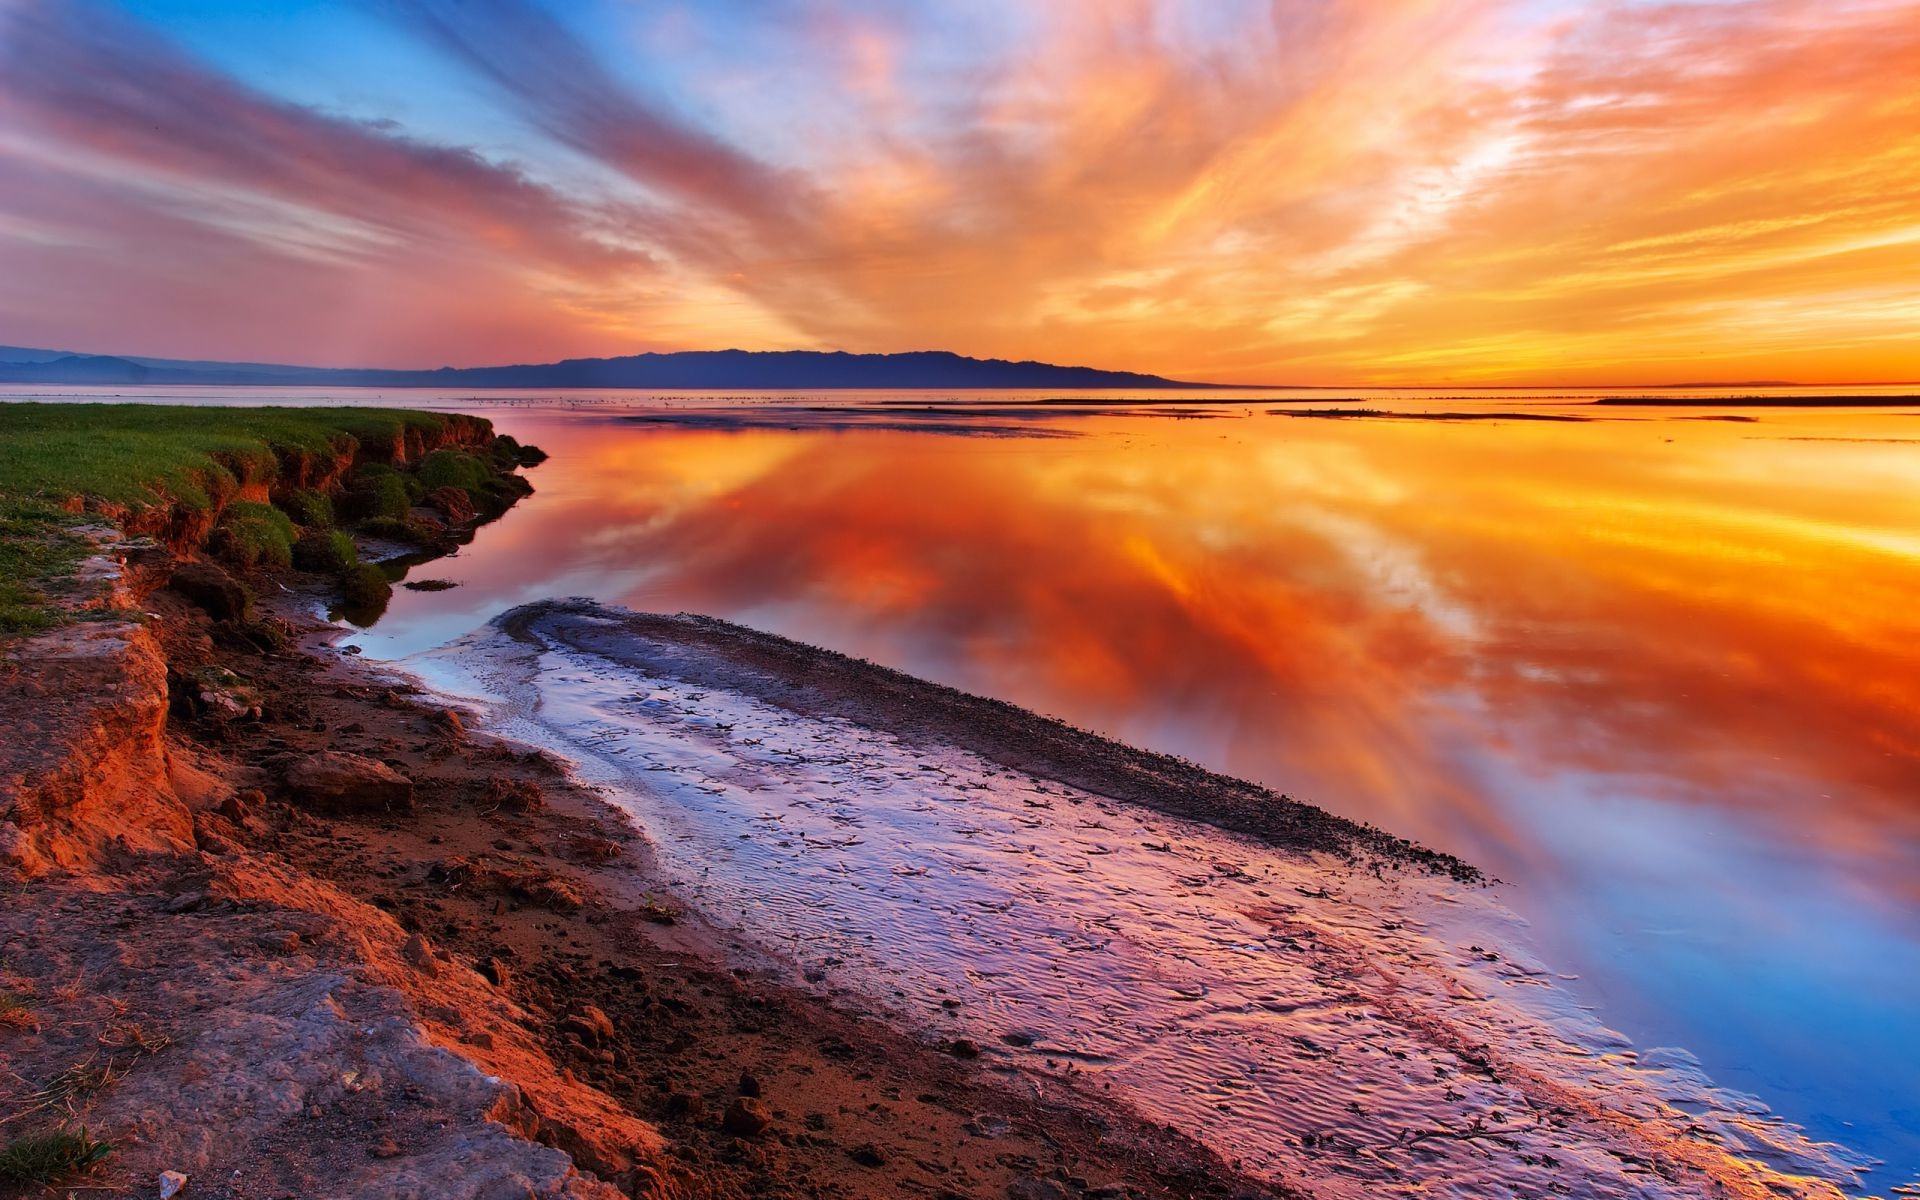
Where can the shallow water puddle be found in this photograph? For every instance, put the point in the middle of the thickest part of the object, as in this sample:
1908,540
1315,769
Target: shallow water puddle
1366,1035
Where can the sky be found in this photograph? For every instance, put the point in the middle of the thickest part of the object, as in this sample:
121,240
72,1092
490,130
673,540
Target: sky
1294,192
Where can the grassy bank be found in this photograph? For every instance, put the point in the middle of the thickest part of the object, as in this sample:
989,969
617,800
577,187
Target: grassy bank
305,473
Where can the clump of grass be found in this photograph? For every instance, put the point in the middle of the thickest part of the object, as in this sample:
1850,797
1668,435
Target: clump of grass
16,1012
45,1158
397,529
454,468
332,552
135,1037
309,509
257,535
377,492
366,588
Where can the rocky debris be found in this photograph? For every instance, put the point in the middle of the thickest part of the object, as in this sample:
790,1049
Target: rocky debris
591,1025
745,1117
212,590
337,782
419,954
218,694
687,1106
242,806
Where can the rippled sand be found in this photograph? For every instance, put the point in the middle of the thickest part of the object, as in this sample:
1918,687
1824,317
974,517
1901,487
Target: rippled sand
1346,1022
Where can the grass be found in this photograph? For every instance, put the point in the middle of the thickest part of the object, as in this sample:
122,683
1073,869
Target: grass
332,552
367,587
310,509
16,1012
257,535
378,492
453,468
144,455
44,1158
37,552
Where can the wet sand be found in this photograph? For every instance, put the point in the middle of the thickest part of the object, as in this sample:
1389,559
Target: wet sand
1327,1007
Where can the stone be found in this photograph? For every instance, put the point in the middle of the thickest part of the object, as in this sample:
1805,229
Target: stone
745,1117
1035,1188
494,971
336,781
419,954
172,1183
211,590
963,1048
868,1155
685,1104
749,1085
590,1024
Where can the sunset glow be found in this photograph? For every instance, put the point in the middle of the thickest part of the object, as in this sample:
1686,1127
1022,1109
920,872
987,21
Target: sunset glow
1345,192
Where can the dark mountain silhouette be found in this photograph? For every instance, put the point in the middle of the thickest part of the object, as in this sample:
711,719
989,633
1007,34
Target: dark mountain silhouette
689,369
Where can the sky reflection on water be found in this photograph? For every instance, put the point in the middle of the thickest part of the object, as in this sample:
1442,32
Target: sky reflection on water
1659,673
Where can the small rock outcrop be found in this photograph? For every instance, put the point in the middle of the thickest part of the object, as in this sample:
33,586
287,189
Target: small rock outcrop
336,782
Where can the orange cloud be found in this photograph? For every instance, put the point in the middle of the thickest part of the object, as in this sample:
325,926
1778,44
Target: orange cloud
1471,190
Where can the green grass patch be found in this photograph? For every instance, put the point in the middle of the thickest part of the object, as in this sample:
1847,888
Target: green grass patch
377,492
256,535
365,591
45,1158
145,455
454,468
38,553
310,509
141,454
332,552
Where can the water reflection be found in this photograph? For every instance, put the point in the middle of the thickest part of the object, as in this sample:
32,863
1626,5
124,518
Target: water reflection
1660,672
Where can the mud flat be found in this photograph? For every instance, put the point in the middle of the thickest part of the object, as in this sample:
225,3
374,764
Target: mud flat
1328,1008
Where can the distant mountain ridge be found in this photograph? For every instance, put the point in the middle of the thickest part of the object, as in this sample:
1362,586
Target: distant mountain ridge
682,369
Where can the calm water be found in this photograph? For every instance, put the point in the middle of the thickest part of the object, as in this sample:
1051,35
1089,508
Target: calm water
1660,673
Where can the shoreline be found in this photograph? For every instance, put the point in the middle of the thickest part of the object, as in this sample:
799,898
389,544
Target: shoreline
492,974
284,927
1469,1028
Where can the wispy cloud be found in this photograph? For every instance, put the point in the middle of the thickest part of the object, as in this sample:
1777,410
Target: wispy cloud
1349,190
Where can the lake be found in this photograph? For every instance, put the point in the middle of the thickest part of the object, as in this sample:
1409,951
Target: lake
1658,669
